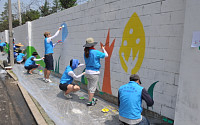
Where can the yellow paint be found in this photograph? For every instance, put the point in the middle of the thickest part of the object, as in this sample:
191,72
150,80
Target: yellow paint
105,110
133,40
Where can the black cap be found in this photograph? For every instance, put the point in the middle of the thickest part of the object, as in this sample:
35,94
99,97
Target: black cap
135,77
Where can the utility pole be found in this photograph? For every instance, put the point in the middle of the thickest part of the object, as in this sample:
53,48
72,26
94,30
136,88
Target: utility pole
10,33
19,11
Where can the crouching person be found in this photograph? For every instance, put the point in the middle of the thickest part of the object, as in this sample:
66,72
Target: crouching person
30,63
21,57
67,78
130,98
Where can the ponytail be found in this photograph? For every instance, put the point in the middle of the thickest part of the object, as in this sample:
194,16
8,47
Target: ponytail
87,52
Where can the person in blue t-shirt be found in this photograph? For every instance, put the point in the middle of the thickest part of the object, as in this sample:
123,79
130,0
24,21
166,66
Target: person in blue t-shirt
92,61
130,98
68,76
2,46
48,44
21,57
30,63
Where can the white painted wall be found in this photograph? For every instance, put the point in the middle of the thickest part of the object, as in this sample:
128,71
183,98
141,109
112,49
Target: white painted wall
163,23
188,102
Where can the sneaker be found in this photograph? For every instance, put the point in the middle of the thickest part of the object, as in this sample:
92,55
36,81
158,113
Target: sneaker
44,79
91,103
48,80
68,96
94,99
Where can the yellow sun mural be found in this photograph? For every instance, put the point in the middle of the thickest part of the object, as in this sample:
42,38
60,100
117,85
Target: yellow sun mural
132,49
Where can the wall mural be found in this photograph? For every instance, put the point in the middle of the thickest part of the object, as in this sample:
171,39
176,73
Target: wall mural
106,80
132,49
64,36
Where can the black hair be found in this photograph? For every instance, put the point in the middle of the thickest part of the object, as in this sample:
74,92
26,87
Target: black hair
71,62
87,52
132,79
34,53
20,51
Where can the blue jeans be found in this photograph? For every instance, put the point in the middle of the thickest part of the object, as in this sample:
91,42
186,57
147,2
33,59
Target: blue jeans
143,122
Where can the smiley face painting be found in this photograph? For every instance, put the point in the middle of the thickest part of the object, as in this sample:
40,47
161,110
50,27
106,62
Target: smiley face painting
132,49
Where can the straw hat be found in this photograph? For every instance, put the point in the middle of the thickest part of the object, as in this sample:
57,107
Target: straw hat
19,44
90,42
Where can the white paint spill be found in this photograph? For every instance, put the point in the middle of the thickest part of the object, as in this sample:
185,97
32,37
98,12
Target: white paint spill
76,111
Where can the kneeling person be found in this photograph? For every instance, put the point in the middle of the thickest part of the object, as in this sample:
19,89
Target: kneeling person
21,57
68,76
30,63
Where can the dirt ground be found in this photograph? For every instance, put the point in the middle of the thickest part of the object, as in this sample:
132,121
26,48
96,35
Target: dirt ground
13,108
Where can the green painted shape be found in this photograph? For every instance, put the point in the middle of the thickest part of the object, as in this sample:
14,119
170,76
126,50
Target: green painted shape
55,67
6,48
29,51
84,79
150,89
56,70
100,92
165,119
99,86
170,121
199,47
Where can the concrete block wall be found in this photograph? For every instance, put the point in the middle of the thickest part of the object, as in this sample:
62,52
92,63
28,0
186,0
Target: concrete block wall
188,103
163,23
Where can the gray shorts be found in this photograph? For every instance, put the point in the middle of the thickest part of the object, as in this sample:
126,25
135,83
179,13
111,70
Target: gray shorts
92,79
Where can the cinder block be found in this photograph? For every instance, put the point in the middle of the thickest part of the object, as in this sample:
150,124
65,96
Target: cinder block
171,66
163,99
177,17
172,5
167,111
170,90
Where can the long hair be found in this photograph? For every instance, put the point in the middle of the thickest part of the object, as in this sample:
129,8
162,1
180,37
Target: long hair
87,52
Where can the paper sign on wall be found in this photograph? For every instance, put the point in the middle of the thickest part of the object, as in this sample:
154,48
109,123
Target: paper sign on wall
196,39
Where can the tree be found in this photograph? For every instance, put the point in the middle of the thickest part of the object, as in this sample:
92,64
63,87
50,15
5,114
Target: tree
30,15
68,3
45,9
56,6
4,14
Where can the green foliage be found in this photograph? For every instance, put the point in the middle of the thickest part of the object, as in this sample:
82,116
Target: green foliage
45,9
68,3
56,6
30,15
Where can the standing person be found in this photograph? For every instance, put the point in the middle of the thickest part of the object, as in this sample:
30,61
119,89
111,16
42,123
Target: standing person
21,57
92,62
49,54
68,76
130,98
30,63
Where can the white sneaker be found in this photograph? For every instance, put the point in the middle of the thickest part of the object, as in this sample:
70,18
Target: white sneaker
47,80
44,79
68,96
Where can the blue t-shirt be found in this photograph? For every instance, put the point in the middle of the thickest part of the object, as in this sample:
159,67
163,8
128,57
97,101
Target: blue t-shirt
20,57
93,61
65,77
130,97
48,46
2,44
30,61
